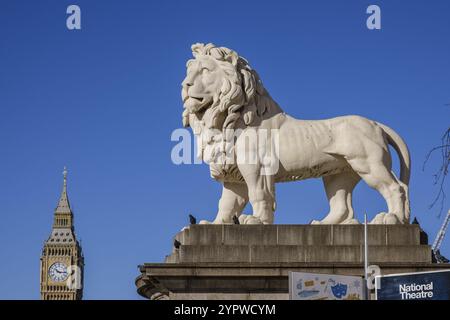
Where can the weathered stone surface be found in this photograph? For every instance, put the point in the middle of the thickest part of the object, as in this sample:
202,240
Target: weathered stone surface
246,281
402,235
339,243
253,261
249,235
214,253
229,296
289,253
299,234
304,234
198,235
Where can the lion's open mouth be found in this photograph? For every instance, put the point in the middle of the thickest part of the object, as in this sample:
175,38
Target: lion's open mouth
198,104
198,99
205,103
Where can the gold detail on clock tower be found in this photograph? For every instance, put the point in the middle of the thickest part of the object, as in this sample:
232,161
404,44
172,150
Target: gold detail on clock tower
62,261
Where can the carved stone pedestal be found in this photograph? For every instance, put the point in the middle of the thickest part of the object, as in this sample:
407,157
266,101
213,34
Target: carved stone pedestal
253,261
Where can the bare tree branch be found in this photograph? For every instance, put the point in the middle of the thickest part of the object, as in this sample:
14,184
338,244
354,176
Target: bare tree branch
441,175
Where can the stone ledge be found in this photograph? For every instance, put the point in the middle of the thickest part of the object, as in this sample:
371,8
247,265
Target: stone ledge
245,280
243,267
291,253
299,235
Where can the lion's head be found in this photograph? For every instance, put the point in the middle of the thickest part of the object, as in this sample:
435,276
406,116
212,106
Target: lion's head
220,88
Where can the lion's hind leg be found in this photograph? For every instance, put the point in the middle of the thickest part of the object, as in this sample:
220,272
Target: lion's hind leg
377,175
339,188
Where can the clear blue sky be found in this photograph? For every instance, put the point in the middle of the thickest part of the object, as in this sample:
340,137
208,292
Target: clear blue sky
104,101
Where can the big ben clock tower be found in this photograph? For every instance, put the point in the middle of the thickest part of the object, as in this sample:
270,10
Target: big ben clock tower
62,261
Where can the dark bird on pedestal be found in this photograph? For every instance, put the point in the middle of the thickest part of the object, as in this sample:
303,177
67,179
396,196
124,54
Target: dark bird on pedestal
176,244
192,219
236,220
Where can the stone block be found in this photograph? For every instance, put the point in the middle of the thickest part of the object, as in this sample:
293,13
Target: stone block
400,254
403,235
249,234
304,235
212,253
201,235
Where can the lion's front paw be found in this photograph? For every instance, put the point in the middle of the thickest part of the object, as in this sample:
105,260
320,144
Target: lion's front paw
350,221
205,222
249,219
316,222
386,218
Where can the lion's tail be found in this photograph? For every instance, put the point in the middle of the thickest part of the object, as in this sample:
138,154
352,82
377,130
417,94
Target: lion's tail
405,162
403,153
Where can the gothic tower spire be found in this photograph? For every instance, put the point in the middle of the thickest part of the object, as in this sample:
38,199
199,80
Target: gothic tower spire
62,260
63,204
63,212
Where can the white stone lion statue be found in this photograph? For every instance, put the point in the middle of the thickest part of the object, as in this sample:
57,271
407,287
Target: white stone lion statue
226,104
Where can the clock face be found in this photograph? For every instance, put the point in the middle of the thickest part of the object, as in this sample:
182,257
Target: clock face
58,272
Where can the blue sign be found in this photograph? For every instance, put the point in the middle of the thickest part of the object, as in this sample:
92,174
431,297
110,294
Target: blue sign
433,285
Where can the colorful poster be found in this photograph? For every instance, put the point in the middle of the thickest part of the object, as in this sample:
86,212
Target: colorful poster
316,286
